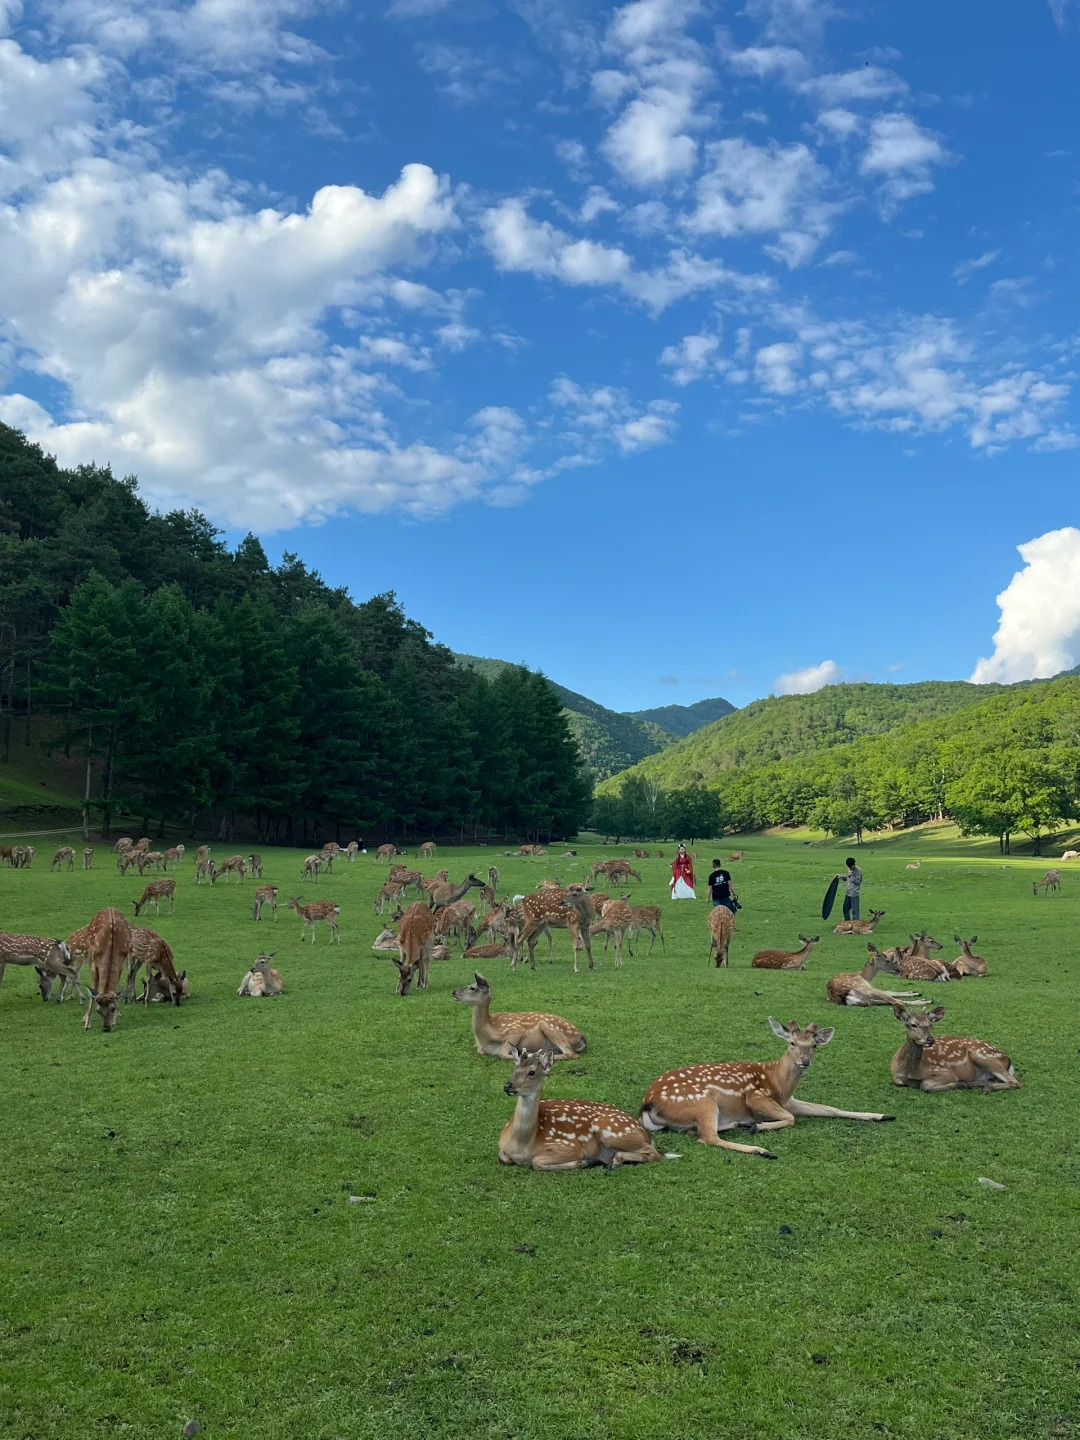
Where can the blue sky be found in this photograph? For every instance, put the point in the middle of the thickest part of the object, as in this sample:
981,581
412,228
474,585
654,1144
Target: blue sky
677,348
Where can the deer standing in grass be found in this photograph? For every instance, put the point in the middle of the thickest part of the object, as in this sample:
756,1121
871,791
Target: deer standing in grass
385,853
967,963
123,842
1051,881
312,865
154,893
351,851
646,917
456,921
447,894
427,850
149,860
319,910
543,911
109,942
785,959
204,870
50,958
566,1134
757,1095
255,865
531,1029
173,856
88,858
615,920
64,856
261,982
721,932
265,895
927,1061
389,894
415,940
234,865
858,988
399,875
428,885
493,877
859,927
151,950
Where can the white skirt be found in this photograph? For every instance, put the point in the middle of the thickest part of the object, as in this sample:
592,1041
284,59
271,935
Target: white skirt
681,890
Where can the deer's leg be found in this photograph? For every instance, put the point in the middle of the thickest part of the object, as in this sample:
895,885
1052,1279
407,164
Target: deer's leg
830,1112
706,1125
87,1020
759,1102
995,1076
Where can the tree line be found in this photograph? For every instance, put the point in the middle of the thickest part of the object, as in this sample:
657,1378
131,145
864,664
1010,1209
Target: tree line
205,686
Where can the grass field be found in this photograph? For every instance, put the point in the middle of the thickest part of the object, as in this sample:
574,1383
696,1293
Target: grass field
177,1239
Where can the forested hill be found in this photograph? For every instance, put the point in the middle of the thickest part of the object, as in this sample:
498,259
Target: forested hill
786,726
205,686
684,719
608,741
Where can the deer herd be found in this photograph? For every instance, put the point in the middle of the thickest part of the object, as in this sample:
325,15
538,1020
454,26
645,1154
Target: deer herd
707,1100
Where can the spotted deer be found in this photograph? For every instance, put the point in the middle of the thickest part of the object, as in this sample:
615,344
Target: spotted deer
151,950
447,894
859,989
154,893
735,855
234,865
927,1061
532,1029
386,939
385,853
173,856
399,875
416,937
428,885
204,870
488,952
721,932
647,917
157,989
1051,881
50,958
967,962
326,861
915,962
859,927
255,865
757,1095
614,922
493,878
389,894
326,911
544,911
312,865
494,922
88,858
261,982
149,860
202,853
785,959
566,1134
351,851
427,850
265,895
456,921
109,941
64,856
123,842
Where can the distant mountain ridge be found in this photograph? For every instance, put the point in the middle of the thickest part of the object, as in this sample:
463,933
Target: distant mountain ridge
683,720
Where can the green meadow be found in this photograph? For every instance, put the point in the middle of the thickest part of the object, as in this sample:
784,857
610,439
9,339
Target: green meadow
285,1219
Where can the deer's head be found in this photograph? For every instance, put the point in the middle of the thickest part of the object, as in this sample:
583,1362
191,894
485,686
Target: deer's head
888,962
919,1024
801,1044
406,972
475,993
106,1008
809,939
531,1069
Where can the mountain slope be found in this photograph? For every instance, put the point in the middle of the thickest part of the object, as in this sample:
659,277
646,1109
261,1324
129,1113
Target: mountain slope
784,726
683,720
609,742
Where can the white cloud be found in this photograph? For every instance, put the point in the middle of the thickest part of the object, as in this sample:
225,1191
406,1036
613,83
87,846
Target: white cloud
900,153
605,411
774,367
410,9
597,202
693,357
761,61
839,123
1039,630
1060,11
648,144
869,82
805,682
964,271
760,189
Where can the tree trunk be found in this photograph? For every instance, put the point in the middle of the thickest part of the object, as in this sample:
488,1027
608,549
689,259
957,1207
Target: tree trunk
89,772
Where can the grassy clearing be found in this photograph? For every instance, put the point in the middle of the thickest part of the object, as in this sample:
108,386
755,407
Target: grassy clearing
176,1239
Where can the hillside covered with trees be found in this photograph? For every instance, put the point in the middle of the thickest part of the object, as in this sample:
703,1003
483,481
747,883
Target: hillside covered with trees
202,684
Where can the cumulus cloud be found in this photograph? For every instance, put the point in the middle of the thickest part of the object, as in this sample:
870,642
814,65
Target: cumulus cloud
693,357
605,411
870,82
1039,630
805,682
900,154
774,189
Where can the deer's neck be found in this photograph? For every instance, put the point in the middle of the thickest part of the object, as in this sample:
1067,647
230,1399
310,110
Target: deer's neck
783,1076
909,1058
871,969
481,1019
524,1125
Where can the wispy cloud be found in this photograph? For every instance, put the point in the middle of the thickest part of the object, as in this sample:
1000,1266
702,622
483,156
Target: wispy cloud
964,271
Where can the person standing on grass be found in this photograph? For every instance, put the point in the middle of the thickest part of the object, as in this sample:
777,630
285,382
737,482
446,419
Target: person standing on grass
719,883
682,876
852,888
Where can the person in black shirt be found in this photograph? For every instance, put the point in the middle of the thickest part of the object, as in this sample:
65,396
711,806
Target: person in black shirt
719,883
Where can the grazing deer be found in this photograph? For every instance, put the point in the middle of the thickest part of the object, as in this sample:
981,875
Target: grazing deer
786,959
390,894
127,860
735,855
721,931
617,870
456,921
759,1095
7,853
149,860
399,875
544,911
124,842
312,865
647,917
967,963
566,1134
234,865
22,857
859,927
88,858
50,958
416,937
325,910
265,895
326,861
914,961
143,843
351,851
255,865
494,1034
447,894
640,854
151,950
615,920
927,1061
154,892
204,870
202,853
385,852
64,856
427,850
859,988
261,982
158,989
108,939
1050,881
493,877
1071,855
180,853
173,856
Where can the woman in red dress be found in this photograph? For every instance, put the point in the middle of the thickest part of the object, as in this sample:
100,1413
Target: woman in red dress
682,876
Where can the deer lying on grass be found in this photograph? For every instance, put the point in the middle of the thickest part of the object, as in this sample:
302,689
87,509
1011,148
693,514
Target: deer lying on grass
756,1095
544,911
1071,855
50,958
946,1062
64,856
319,910
914,961
735,855
234,865
915,865
153,895
566,1134
1051,881
415,940
158,990
967,963
721,931
532,1029
785,959
265,895
88,858
385,940
646,917
152,951
261,982
859,927
859,988
489,952
109,942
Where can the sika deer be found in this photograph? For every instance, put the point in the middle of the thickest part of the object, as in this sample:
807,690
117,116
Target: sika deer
255,865
786,959
566,1134
50,958
947,1062
647,917
265,895
390,894
859,927
915,962
204,870
448,894
234,865
416,936
64,856
615,920
494,1034
151,950
754,1094
967,963
153,893
312,865
859,989
325,910
1050,881
88,858
721,931
544,911
261,982
385,852
109,944
426,850
493,877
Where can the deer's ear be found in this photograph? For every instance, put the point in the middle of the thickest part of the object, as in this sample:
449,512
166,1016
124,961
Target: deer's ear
781,1031
824,1036
901,1013
935,1014
513,1053
546,1059
398,963
973,940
